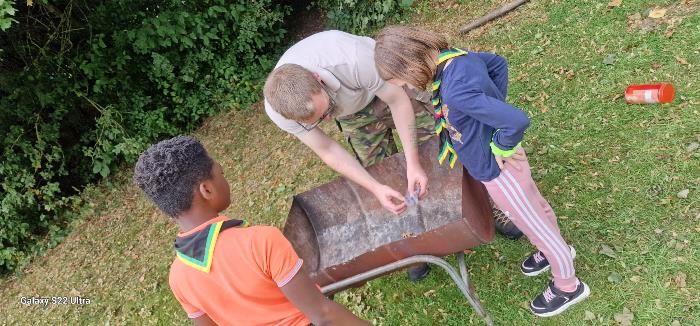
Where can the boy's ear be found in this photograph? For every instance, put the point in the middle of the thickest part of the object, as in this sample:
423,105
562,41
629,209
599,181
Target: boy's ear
205,189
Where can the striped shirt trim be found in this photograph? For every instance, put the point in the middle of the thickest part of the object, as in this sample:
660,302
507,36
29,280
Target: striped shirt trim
291,274
195,314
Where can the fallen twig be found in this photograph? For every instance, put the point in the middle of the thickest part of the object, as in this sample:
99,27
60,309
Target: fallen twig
492,15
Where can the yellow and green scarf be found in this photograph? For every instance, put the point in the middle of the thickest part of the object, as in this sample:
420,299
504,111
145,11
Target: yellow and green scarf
447,150
197,250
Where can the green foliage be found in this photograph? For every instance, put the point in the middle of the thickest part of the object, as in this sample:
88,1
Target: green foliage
86,86
361,17
7,10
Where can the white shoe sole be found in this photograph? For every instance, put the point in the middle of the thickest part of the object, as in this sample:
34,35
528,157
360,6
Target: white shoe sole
535,273
585,294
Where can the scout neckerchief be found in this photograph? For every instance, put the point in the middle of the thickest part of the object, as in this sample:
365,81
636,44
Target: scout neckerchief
447,150
197,250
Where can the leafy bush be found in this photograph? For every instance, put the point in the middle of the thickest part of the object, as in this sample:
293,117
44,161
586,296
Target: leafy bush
7,10
85,86
362,17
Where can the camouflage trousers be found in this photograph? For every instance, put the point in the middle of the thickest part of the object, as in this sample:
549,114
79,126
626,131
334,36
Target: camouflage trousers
370,131
370,135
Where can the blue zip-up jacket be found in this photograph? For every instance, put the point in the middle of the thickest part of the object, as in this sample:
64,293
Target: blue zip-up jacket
474,88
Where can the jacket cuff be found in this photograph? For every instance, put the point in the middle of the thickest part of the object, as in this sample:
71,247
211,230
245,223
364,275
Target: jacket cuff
504,153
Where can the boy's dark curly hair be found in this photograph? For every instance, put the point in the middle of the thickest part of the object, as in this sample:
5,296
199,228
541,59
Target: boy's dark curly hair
169,171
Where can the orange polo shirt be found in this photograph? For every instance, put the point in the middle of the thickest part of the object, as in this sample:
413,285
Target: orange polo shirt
249,266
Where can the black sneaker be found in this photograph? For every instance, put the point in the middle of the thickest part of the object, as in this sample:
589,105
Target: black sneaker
418,273
504,225
537,263
553,301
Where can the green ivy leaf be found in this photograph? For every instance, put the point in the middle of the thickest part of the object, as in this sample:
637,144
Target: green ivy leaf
5,23
105,171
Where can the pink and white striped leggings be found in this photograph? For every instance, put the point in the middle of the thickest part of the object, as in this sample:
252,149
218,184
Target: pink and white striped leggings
516,194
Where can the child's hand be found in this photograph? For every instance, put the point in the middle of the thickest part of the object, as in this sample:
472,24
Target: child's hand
417,181
512,160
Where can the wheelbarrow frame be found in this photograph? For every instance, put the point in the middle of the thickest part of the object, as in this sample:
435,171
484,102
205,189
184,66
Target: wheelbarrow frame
325,223
461,278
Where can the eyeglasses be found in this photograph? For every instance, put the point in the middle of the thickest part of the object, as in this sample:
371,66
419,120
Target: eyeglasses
329,112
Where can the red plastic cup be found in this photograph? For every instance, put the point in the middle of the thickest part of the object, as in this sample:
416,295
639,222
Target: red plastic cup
652,93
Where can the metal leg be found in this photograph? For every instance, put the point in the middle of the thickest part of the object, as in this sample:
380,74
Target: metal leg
474,298
461,279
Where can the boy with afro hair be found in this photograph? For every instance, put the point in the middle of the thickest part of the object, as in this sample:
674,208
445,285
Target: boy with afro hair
226,273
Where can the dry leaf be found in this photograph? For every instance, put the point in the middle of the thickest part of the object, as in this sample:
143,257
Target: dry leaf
692,146
656,66
634,17
635,278
680,245
657,13
609,60
525,304
682,61
669,32
680,279
587,315
606,250
614,3
429,293
679,259
615,278
683,193
625,318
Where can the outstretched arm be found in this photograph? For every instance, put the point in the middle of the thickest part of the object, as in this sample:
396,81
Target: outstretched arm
405,121
336,157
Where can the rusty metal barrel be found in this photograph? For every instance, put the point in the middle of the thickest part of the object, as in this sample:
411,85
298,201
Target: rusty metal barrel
340,229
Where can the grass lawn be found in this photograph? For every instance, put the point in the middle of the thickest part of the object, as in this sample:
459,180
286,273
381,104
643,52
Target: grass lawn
612,172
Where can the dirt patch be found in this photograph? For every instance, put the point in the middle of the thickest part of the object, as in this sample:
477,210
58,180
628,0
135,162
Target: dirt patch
443,19
304,21
658,18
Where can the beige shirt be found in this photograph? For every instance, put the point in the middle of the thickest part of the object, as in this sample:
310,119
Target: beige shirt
345,63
